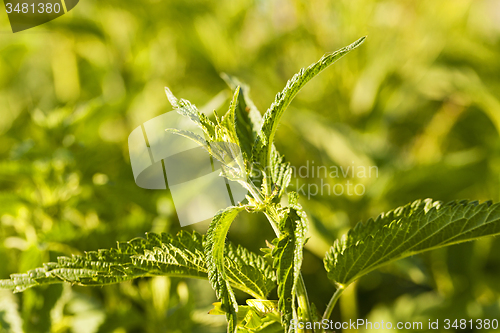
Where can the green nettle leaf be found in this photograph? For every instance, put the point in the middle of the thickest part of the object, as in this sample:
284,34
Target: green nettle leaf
185,108
243,124
243,120
248,118
263,145
228,120
190,135
260,316
288,256
215,254
417,227
221,139
249,272
281,173
257,316
159,254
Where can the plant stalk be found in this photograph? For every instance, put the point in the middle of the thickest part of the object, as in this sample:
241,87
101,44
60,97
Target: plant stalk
303,300
333,301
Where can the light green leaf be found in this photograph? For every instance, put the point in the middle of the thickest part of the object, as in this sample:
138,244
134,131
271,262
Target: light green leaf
263,145
228,120
227,153
288,256
281,173
417,227
247,115
221,137
247,119
185,108
159,254
239,131
257,316
263,306
215,254
190,135
249,272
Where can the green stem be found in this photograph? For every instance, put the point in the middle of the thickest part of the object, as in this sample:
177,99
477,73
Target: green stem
254,191
302,296
270,216
303,300
333,301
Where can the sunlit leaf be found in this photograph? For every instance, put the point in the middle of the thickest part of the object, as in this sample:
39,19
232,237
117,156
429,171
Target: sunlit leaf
159,254
417,227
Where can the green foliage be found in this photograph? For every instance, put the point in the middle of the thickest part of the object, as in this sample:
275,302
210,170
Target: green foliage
10,319
257,316
281,173
287,254
158,254
417,227
263,147
229,119
221,142
247,117
214,249
422,108
185,108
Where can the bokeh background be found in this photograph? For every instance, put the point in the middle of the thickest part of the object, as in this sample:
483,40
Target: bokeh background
419,100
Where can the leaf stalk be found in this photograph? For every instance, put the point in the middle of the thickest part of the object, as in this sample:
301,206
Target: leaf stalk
332,303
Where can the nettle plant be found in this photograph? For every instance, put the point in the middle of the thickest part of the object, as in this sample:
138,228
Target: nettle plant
242,140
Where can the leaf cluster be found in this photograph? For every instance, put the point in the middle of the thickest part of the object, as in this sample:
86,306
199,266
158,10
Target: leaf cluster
243,142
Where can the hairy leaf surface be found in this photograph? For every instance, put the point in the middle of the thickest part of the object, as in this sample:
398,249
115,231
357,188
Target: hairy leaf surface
159,254
257,316
228,120
288,256
264,142
417,227
190,135
248,117
215,253
185,108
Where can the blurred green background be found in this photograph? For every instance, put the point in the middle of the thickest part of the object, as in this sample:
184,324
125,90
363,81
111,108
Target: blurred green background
419,100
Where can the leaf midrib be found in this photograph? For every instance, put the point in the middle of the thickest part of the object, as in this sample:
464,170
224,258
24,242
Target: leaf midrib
409,251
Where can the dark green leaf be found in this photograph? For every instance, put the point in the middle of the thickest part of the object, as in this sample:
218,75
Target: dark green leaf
159,254
417,227
263,145
288,256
